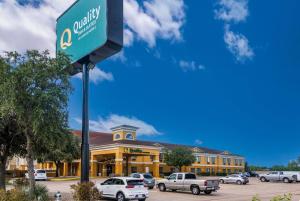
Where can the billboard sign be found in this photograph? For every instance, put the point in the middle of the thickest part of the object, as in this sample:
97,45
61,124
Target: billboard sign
90,31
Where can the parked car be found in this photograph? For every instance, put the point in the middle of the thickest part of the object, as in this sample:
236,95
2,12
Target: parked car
296,173
123,188
286,177
234,179
187,182
38,175
247,174
149,181
253,174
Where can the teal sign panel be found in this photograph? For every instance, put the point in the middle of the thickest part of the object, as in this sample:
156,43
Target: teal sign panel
90,30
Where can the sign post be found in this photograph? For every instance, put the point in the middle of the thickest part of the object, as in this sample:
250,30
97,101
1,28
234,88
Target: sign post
85,125
89,31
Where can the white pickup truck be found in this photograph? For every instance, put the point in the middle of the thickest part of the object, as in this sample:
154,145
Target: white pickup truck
187,182
285,176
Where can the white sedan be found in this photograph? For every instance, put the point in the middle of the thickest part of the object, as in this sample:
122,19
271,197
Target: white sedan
38,175
123,188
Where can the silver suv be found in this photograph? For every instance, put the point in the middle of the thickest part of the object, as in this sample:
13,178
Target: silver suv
234,179
148,179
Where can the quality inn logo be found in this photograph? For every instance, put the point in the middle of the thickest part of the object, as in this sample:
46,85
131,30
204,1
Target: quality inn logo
66,39
81,28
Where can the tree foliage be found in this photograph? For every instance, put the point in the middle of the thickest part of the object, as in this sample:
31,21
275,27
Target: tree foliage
12,140
41,87
179,157
66,149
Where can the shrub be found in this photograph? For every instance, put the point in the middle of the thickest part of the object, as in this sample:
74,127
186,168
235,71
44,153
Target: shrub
85,192
256,198
13,195
282,198
40,193
285,197
21,183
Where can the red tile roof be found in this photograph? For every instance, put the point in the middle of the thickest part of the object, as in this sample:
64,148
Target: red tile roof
100,138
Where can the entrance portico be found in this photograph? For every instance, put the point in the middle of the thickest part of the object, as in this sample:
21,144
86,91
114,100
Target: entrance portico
122,160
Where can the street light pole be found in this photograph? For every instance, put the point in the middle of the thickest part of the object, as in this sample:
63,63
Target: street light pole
85,151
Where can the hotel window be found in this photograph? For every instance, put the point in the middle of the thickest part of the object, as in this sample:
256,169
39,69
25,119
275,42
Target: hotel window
228,161
129,136
198,171
117,136
229,171
198,159
213,160
224,171
236,162
208,160
161,157
207,170
213,170
193,170
161,170
152,158
241,162
133,158
224,161
133,169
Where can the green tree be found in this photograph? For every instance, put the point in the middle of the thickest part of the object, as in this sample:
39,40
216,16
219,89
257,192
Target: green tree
66,148
11,138
179,157
12,143
42,88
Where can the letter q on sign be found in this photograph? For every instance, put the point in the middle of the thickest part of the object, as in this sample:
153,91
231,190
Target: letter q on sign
66,43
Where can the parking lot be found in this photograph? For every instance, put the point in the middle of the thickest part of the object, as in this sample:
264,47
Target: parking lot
228,192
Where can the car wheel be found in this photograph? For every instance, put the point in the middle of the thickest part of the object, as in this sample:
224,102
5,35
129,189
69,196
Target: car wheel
286,180
207,192
195,190
222,181
120,197
239,182
263,179
162,187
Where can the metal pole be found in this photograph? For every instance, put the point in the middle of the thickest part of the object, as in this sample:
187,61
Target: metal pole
85,152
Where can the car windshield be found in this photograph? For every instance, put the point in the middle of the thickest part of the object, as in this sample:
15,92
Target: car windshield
135,182
148,176
41,171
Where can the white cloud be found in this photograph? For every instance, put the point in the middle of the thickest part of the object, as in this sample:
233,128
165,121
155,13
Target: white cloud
128,37
190,66
232,10
105,124
33,27
198,142
155,19
97,75
29,27
238,45
235,11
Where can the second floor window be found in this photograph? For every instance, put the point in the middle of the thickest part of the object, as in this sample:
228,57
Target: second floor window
213,160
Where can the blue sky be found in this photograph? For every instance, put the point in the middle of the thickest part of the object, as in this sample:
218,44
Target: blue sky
221,74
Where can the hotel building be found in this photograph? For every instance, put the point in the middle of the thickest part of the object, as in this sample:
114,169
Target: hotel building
121,153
